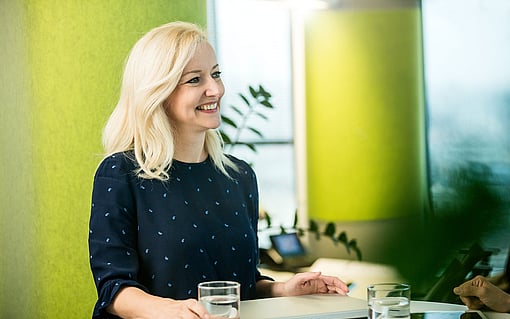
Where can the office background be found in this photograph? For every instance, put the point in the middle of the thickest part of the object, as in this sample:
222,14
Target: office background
61,68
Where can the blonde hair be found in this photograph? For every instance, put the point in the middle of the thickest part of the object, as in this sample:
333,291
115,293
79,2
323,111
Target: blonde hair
139,122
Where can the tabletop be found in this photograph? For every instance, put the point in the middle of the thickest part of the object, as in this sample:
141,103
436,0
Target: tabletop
333,307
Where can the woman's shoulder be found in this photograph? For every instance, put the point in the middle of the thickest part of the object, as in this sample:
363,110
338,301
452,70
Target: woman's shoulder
243,168
240,163
117,164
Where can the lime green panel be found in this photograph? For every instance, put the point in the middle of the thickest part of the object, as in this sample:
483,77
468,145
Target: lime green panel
77,50
365,114
16,191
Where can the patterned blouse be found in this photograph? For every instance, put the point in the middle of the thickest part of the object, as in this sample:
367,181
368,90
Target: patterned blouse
166,237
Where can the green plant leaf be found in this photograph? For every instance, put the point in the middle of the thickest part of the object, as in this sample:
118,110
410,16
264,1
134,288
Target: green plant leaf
353,244
251,146
263,91
294,225
267,104
245,100
313,226
267,218
253,92
228,121
358,253
330,230
237,110
225,137
262,116
254,130
342,237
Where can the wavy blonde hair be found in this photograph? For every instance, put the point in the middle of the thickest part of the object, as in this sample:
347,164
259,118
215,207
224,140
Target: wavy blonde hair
139,122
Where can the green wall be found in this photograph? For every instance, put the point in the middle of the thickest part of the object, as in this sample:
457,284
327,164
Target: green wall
365,114
61,69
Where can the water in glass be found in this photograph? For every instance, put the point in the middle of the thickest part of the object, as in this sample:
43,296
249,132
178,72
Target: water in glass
224,306
389,307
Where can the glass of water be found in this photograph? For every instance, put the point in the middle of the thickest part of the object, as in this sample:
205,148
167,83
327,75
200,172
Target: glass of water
389,301
221,298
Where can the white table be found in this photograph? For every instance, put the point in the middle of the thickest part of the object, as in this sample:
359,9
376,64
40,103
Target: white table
330,307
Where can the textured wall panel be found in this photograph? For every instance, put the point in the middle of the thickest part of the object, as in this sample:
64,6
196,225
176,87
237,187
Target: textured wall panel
75,53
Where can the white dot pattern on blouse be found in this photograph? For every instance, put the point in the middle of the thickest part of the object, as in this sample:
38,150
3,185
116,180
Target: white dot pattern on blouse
166,237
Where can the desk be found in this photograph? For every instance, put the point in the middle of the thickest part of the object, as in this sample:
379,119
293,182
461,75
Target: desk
327,307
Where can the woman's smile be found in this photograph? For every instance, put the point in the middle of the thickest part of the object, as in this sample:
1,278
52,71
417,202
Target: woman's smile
208,107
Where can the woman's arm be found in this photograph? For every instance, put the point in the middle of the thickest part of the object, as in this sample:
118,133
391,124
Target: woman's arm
132,302
267,288
302,284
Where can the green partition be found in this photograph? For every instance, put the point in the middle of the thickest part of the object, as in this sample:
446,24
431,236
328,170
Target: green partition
365,112
64,62
17,251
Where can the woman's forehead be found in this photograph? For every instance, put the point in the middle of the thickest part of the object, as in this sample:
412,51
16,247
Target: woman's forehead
204,58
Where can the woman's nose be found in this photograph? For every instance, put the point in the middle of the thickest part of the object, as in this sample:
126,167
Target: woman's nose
214,87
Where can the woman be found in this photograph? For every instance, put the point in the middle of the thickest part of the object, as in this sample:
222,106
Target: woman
169,208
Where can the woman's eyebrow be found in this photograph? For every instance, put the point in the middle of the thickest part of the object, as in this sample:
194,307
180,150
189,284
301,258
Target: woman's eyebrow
191,71
199,71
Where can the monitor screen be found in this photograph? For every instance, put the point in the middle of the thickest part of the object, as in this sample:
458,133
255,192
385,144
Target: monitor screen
287,244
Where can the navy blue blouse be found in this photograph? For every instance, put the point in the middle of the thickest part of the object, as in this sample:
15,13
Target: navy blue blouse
166,237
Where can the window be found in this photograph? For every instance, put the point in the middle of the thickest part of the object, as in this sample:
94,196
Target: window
466,50
253,46
467,75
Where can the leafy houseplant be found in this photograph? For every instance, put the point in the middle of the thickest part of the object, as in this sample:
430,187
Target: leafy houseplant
254,104
330,231
258,100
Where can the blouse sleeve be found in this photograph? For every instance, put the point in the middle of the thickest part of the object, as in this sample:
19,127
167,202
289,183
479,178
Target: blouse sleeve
255,217
113,231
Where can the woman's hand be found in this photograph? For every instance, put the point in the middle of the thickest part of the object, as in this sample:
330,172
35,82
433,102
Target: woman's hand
314,283
479,292
305,283
132,302
182,309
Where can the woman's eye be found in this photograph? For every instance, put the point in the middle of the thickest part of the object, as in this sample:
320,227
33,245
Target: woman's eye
194,80
216,75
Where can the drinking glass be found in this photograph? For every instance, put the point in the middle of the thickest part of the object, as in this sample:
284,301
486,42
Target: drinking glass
389,301
221,298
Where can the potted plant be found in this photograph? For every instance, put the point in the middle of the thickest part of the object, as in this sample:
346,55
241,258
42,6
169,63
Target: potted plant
255,104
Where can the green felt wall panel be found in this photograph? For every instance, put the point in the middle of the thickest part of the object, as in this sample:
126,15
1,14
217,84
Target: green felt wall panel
17,231
71,54
365,114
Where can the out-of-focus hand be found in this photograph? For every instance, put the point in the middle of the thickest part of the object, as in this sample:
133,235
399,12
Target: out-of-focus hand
479,292
307,283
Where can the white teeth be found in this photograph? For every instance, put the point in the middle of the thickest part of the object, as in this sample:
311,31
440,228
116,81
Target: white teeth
207,107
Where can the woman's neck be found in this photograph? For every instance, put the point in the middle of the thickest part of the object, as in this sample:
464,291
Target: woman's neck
190,149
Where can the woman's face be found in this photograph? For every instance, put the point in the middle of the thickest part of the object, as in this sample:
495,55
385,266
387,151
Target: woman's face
194,105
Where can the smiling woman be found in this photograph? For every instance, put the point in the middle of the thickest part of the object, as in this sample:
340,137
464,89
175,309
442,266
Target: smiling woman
166,198
165,190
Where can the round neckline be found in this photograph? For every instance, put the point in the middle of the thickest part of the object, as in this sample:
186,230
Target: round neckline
192,164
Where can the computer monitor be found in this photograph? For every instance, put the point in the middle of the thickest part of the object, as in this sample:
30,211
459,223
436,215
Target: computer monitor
288,245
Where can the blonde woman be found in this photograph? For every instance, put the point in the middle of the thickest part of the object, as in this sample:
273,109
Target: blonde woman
169,208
